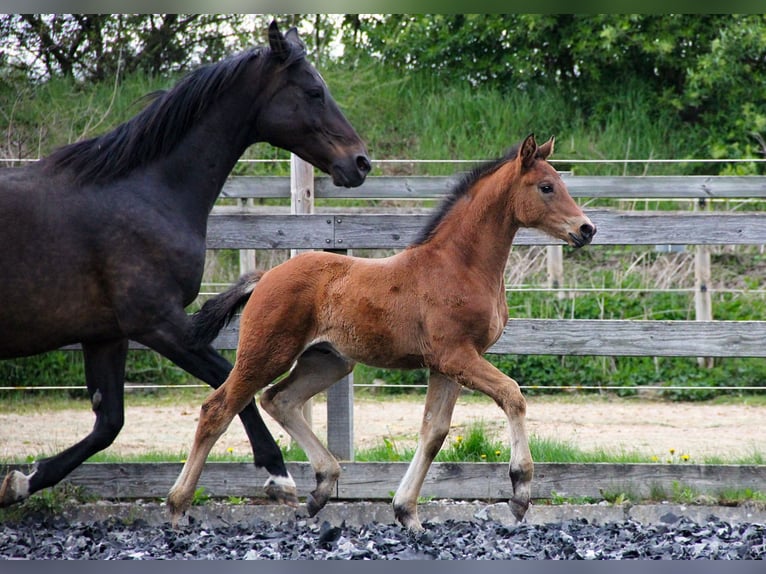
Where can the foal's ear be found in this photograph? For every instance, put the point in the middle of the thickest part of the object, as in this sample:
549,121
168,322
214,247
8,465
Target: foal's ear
545,150
528,151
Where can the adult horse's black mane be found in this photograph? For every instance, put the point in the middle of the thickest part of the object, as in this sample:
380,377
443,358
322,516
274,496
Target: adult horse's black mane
460,189
157,129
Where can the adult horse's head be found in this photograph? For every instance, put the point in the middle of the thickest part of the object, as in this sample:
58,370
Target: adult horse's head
300,115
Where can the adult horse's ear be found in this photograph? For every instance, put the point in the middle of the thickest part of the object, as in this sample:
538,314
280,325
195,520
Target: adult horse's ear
292,36
528,151
280,47
545,150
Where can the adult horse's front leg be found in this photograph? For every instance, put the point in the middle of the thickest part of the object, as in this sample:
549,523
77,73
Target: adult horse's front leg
475,372
440,403
208,365
105,377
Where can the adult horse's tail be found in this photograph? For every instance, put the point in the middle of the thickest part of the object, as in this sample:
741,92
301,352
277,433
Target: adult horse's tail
218,312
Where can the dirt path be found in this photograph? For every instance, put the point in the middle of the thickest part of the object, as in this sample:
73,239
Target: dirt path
612,424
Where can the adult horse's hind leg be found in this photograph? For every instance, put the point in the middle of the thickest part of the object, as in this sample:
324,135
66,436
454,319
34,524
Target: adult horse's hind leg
208,365
318,368
441,397
105,376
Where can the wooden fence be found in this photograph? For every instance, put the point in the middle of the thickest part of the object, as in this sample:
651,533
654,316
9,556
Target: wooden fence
301,226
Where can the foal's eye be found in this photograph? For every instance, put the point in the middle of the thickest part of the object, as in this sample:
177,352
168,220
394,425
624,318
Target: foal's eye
546,188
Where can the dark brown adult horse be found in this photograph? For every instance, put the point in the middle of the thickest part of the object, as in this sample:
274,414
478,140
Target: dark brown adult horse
104,240
438,304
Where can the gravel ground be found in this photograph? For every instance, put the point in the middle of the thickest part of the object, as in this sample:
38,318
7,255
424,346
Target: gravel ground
673,537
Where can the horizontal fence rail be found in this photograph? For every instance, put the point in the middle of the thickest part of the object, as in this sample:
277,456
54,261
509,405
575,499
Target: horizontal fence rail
372,231
461,481
603,337
428,186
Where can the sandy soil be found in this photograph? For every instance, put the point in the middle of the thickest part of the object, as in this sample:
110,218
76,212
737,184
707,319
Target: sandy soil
653,427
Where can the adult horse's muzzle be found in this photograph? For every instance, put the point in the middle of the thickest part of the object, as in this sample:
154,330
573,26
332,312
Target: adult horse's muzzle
350,172
584,236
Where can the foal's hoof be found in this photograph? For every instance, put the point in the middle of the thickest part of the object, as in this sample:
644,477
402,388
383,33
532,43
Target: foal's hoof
15,488
409,520
518,508
281,493
312,506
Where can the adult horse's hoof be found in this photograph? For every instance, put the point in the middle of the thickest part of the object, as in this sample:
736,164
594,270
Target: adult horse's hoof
15,488
518,508
281,493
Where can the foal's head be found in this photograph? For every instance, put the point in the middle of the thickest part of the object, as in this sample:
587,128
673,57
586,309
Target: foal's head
540,199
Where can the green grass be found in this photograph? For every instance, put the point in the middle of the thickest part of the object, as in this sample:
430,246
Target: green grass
476,444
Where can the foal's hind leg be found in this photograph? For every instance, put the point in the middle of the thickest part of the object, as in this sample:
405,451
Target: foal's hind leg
440,403
472,370
318,368
216,414
208,365
104,375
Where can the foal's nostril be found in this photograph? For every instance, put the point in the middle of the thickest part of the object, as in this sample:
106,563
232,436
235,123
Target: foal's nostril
587,230
363,164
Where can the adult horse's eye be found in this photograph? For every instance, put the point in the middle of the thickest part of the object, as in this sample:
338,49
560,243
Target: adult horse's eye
315,93
546,188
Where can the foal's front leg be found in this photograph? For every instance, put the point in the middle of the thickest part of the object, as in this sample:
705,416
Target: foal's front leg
475,372
441,397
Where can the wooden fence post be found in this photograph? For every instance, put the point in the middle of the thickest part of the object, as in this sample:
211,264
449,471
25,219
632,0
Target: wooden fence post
555,263
246,256
703,305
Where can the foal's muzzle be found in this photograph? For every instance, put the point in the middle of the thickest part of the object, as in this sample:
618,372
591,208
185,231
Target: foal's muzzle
585,235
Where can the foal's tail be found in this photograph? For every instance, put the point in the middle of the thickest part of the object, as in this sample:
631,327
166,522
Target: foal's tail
217,312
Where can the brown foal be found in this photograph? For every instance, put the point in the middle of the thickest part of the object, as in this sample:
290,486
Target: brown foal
439,304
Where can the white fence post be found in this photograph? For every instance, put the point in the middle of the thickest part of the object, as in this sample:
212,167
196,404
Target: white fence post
555,264
302,203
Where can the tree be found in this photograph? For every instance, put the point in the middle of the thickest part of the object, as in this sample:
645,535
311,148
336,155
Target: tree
93,47
708,68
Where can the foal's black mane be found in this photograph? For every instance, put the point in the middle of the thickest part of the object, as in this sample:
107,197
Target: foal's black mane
459,190
158,128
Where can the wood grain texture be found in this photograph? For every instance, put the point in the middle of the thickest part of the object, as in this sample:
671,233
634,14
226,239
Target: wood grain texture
460,481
